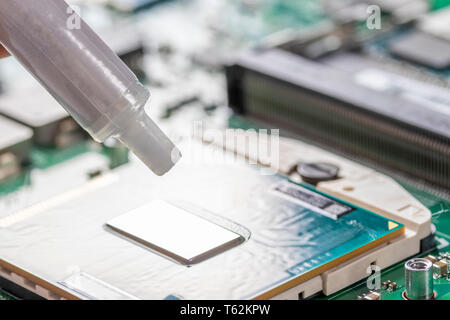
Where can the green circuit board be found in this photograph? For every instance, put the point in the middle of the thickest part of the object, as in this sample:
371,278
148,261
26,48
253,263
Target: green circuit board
440,210
395,274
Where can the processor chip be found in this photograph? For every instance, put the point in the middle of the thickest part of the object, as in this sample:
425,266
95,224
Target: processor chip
144,252
175,233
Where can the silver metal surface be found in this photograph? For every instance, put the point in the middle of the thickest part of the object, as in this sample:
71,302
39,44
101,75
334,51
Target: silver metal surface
419,279
174,232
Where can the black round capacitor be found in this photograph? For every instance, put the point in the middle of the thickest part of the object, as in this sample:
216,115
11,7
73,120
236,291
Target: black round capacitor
316,172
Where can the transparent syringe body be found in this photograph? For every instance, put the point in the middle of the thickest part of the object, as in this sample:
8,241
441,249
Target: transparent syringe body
86,77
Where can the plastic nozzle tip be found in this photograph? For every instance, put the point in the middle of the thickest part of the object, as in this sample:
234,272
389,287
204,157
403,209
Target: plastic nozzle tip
151,145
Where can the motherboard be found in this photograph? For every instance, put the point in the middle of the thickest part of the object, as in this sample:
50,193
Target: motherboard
356,95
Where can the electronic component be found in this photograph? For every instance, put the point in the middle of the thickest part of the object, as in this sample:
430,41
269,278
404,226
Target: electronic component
35,108
371,114
15,145
312,200
440,269
389,285
423,49
431,258
317,172
372,295
419,279
445,255
175,233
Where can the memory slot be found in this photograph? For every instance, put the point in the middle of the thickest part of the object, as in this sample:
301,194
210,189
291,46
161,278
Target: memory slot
399,130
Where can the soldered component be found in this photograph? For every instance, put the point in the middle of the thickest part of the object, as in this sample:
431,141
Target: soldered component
389,285
35,108
432,258
372,295
15,144
419,279
440,269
